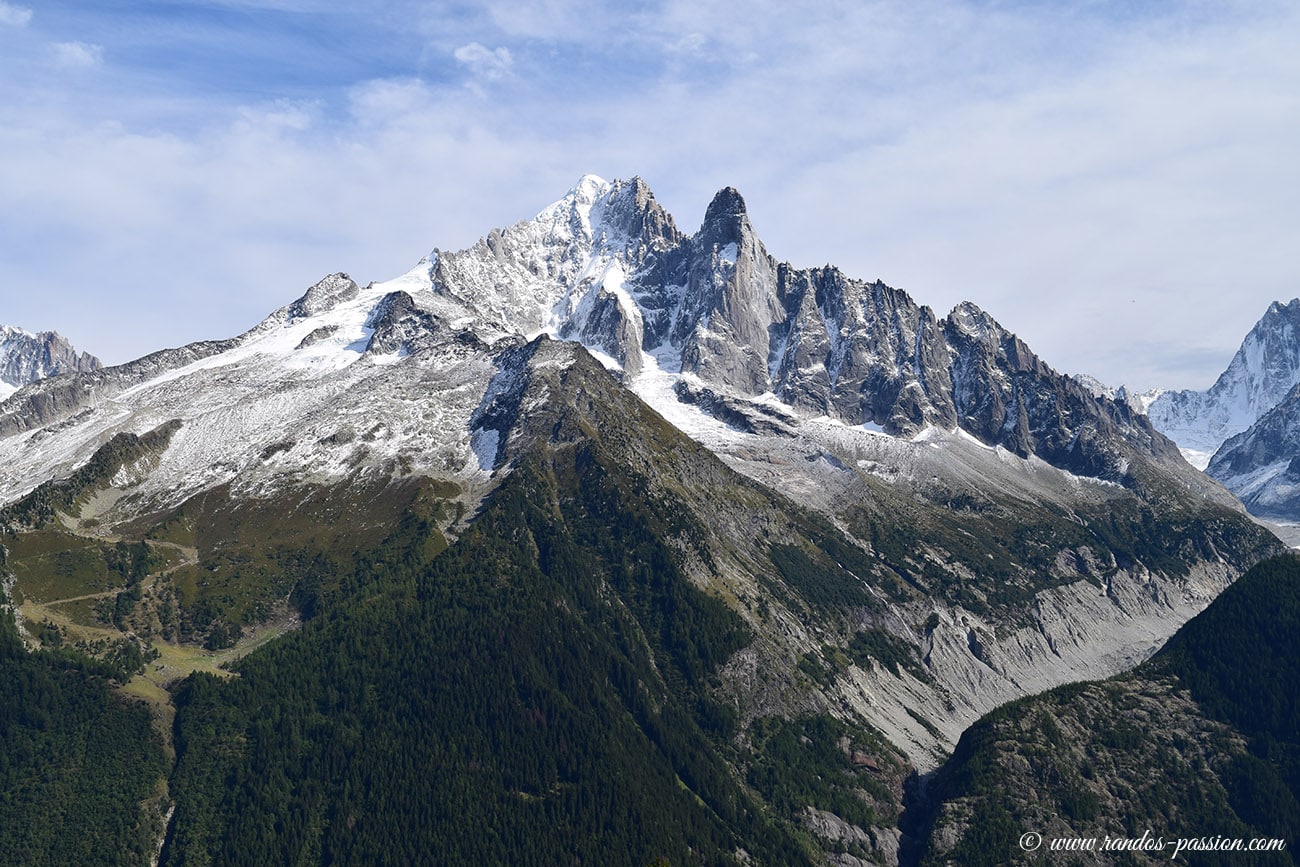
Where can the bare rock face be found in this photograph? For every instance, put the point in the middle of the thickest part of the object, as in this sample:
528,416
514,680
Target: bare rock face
400,326
730,303
832,828
880,844
860,352
27,357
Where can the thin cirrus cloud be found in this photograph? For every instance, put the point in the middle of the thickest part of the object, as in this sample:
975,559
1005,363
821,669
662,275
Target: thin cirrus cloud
14,16
76,55
487,63
1109,180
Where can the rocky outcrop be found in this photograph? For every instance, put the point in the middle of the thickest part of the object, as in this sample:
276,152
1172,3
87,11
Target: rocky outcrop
325,294
26,357
400,326
730,301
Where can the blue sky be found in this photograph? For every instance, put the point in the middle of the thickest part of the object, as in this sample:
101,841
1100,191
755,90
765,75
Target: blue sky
1117,186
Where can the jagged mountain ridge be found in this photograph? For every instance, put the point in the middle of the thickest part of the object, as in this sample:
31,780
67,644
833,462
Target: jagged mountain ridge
26,357
1260,374
607,266
1012,533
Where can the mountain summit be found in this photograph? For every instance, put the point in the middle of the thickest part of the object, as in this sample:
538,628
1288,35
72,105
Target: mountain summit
606,266
1261,373
27,357
1244,431
593,501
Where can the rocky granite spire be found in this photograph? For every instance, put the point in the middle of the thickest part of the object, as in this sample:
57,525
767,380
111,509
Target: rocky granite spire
27,357
730,301
606,266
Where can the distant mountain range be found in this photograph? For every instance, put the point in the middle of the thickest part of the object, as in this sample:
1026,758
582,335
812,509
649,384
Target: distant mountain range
1261,373
1244,430
27,357
597,541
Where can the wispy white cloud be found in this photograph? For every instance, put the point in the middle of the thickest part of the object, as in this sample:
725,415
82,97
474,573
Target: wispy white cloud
1096,213
1109,185
14,16
490,64
554,21
76,55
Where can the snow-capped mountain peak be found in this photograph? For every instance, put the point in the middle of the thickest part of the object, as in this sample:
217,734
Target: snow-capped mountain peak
1261,373
708,318
844,395
589,188
571,215
530,277
1245,429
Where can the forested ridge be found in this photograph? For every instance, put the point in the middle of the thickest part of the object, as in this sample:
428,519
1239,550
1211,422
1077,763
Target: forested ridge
78,764
1203,740
537,694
